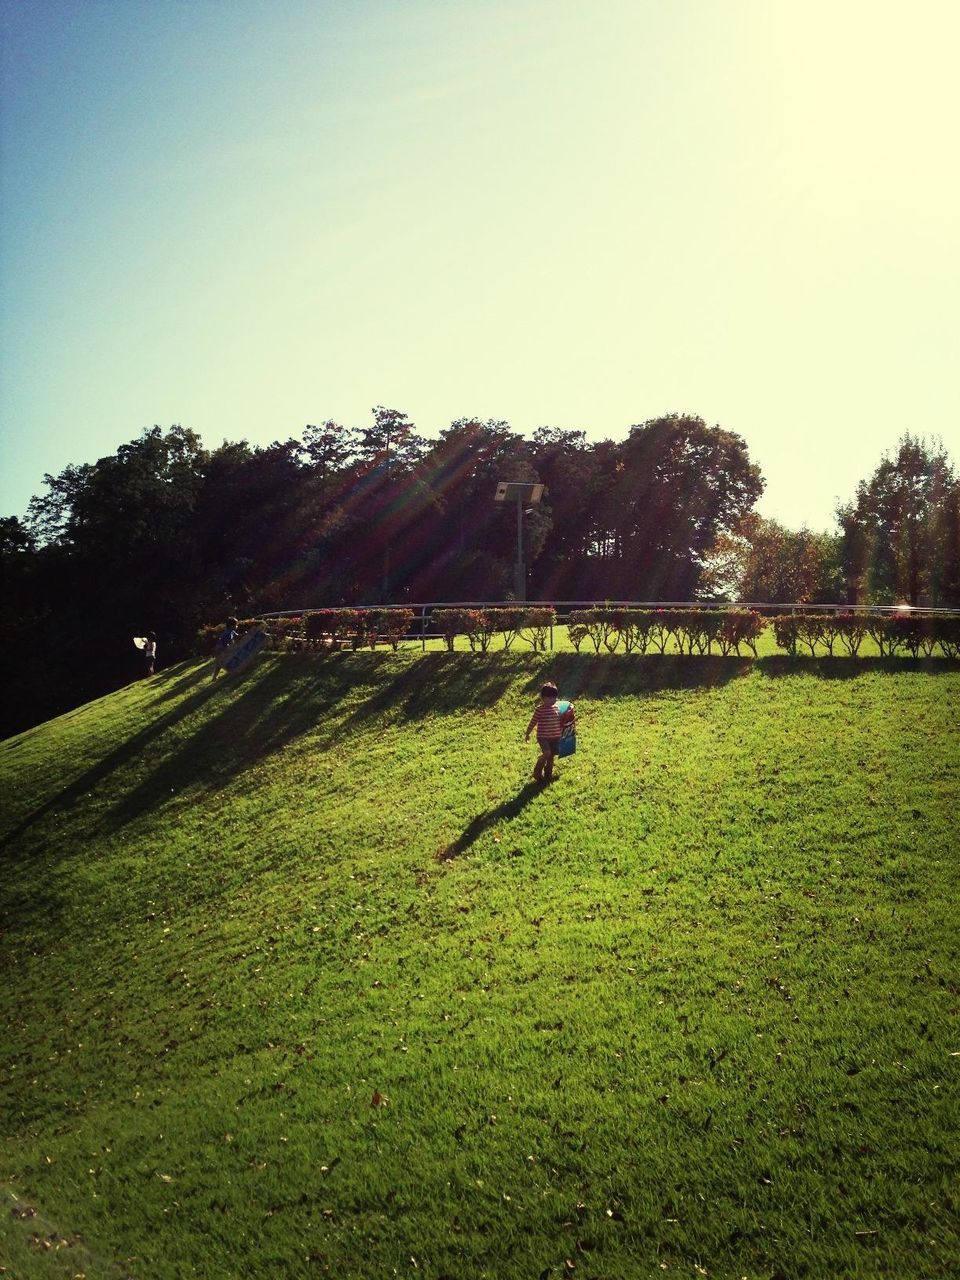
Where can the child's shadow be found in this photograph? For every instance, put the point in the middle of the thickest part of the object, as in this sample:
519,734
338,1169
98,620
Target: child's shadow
483,821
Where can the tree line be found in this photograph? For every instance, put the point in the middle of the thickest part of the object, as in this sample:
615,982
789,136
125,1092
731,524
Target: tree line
166,534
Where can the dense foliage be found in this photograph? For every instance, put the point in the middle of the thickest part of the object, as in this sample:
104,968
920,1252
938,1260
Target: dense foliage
167,535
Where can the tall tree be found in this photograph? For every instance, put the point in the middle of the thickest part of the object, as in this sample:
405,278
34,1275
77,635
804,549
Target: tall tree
674,486
470,549
567,466
891,528
947,550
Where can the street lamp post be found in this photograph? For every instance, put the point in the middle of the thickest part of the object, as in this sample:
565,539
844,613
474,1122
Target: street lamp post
521,576
524,493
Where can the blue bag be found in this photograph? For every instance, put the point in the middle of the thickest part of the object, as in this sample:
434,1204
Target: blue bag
568,731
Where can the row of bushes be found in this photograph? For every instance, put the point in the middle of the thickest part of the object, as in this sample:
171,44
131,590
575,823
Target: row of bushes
322,629
893,634
642,630
697,631
359,628
334,628
531,625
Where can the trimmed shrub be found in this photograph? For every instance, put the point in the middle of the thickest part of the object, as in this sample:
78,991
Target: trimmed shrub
331,627
812,630
793,629
508,622
286,633
576,633
661,629
702,627
535,626
849,629
737,627
599,625
878,629
786,631
912,632
634,627
946,628
480,629
390,625
453,622
694,631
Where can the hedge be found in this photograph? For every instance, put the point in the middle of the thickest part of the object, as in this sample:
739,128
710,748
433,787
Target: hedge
322,628
332,628
639,630
893,634
481,625
610,628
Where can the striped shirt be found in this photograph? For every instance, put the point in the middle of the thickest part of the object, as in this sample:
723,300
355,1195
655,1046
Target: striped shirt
546,718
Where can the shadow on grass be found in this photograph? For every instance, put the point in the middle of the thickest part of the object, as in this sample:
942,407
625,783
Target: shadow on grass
175,681
583,675
443,684
304,693
601,675
845,668
115,759
30,909
484,821
298,693
273,705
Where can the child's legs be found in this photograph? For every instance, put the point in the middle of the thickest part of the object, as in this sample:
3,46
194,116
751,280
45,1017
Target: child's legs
544,765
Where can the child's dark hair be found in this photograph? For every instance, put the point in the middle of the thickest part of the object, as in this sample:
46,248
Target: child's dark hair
549,691
231,621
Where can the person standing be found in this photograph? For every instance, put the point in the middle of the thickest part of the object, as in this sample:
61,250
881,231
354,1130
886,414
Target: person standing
546,720
224,641
150,653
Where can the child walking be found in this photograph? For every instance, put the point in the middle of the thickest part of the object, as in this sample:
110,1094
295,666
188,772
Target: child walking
546,720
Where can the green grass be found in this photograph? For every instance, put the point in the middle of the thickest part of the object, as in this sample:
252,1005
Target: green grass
304,978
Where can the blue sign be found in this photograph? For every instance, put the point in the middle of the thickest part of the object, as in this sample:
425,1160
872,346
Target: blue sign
242,652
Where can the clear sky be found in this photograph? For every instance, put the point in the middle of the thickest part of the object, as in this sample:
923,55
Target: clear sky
248,215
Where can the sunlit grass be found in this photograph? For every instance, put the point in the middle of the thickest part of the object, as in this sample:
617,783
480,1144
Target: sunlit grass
306,978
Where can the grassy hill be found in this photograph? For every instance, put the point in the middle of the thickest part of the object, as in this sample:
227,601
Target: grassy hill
304,977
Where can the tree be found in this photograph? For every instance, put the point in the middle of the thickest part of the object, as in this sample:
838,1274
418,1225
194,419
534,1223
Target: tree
469,549
255,524
670,490
768,563
893,530
163,533
15,537
567,466
328,449
390,440
947,550
115,555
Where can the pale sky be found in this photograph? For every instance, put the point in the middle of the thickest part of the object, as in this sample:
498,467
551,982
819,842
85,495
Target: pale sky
248,215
